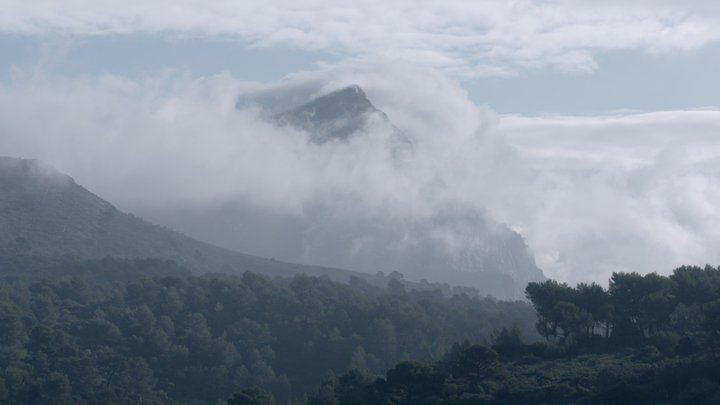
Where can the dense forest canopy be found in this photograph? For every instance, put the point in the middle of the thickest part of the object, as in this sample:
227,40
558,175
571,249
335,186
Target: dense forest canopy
130,331
148,331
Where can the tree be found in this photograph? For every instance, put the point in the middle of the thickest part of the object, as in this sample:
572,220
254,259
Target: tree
696,285
252,396
571,319
658,302
508,342
626,290
593,299
545,297
711,326
476,363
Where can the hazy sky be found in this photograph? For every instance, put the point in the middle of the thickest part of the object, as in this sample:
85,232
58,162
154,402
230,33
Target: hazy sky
592,129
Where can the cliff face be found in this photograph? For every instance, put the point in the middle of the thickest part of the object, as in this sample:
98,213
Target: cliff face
455,245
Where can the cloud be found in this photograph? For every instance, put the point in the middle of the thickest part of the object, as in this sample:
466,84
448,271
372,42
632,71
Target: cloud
630,192
191,125
591,195
463,38
175,148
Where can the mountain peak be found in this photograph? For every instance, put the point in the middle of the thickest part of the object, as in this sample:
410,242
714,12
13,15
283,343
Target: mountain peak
336,115
352,91
348,94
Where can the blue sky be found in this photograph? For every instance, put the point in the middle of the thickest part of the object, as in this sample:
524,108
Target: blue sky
137,55
624,80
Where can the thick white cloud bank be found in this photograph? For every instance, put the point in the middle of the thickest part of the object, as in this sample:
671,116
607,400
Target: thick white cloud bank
464,38
634,192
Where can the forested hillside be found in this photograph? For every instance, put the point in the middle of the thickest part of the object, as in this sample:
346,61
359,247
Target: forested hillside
146,330
644,339
101,331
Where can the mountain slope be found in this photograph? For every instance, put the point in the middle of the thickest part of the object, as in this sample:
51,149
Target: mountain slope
44,213
50,214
